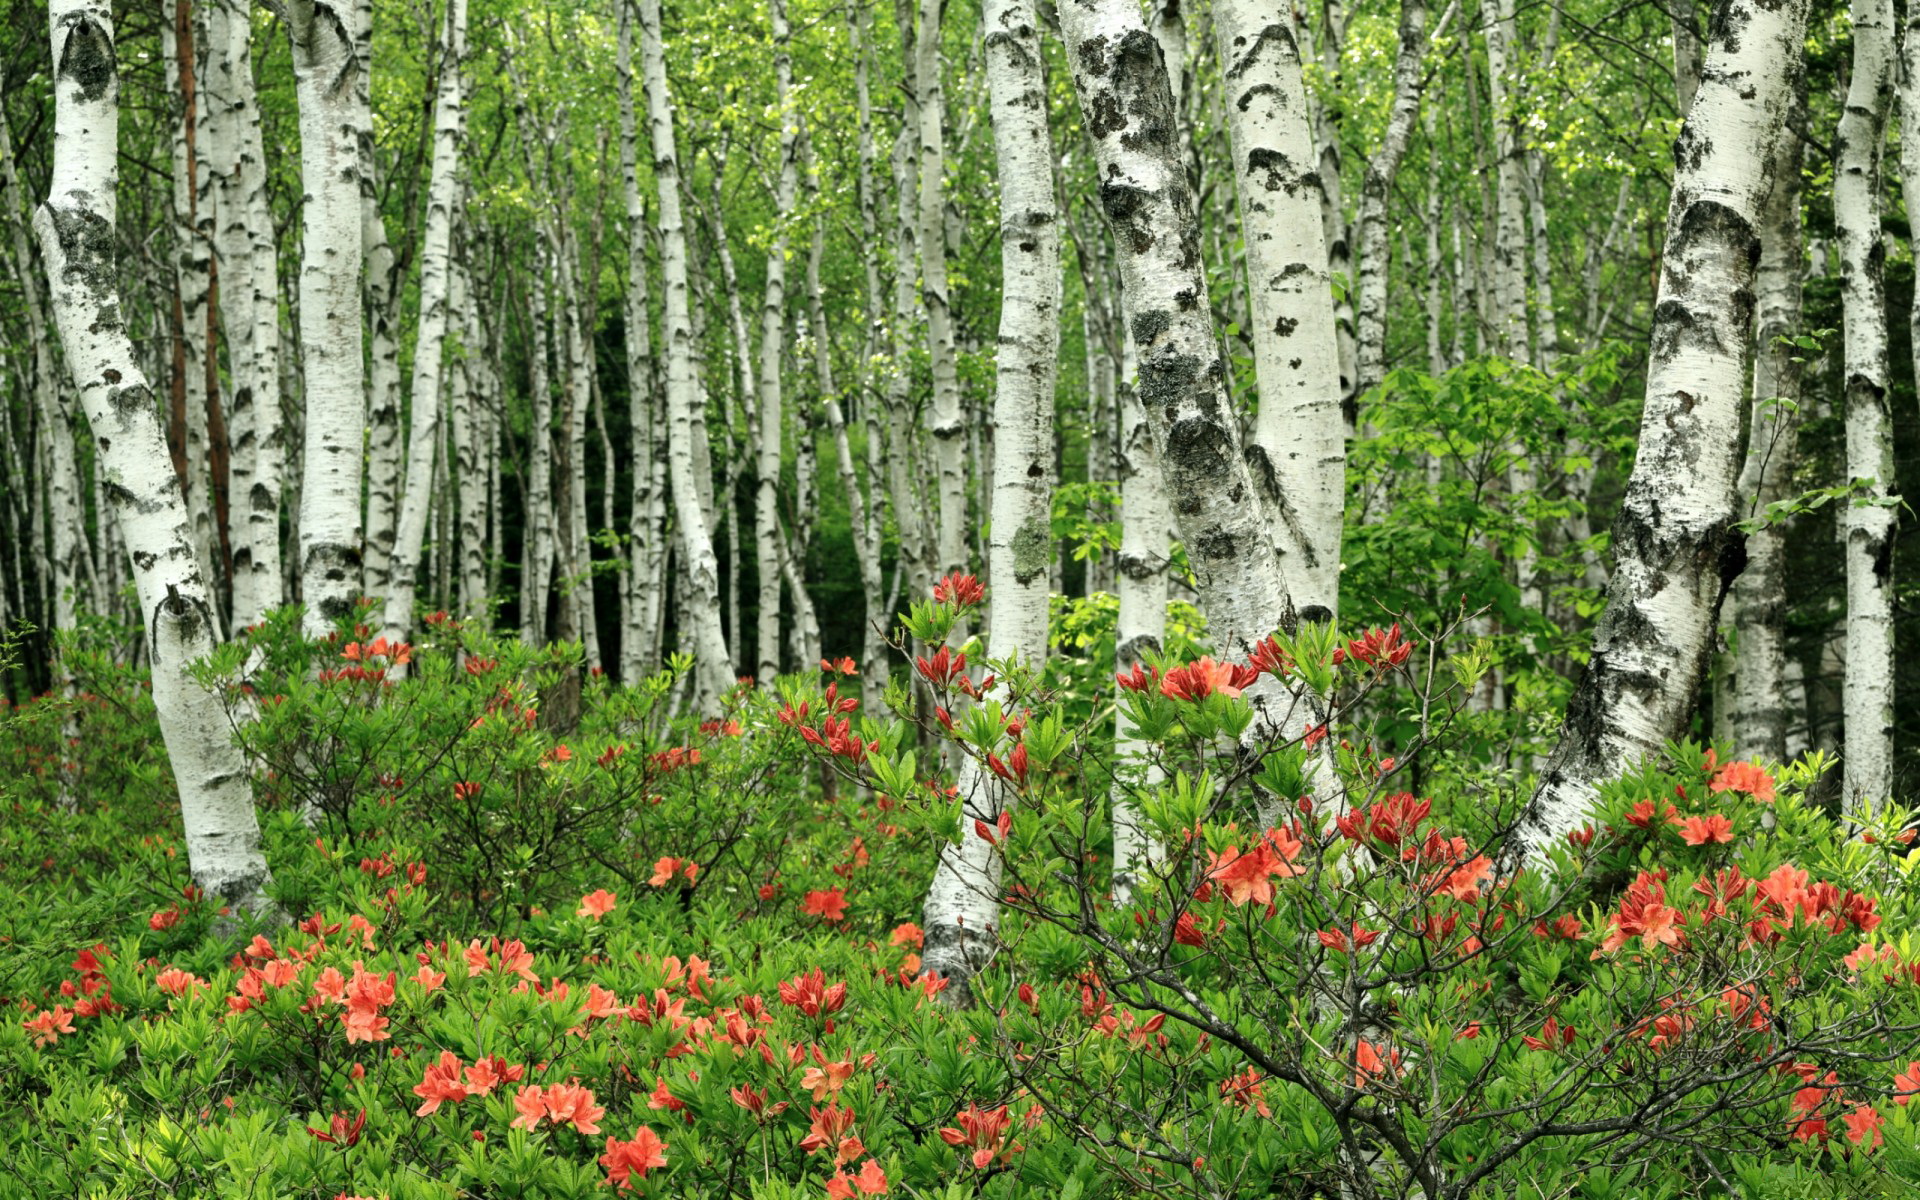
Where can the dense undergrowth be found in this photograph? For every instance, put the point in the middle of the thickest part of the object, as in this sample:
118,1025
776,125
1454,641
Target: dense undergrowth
542,939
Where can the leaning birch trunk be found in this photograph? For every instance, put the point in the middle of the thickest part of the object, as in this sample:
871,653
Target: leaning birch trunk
333,118
963,903
435,271
700,574
384,462
1867,698
1298,445
1762,705
773,308
945,421
76,228
1675,545
1127,105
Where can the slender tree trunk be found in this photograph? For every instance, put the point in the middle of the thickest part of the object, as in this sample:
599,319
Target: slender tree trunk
436,271
1868,698
76,228
333,119
640,599
1761,701
470,436
917,554
945,421
766,511
713,668
1298,444
1375,189
534,588
1675,546
963,902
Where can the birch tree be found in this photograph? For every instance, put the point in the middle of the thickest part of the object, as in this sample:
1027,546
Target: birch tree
1298,441
962,905
766,512
1675,546
435,279
76,232
700,575
945,422
1868,695
1762,708
333,121
1127,105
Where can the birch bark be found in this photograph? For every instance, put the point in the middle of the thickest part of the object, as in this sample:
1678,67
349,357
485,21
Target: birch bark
250,318
76,229
333,119
945,421
1298,451
1867,698
1762,701
963,902
1127,105
640,598
1675,547
1370,355
713,669
435,275
773,307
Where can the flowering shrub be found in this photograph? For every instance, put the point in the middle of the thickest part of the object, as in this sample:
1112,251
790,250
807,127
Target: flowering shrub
630,953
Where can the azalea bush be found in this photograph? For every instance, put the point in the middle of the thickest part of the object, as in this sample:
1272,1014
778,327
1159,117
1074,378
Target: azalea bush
548,942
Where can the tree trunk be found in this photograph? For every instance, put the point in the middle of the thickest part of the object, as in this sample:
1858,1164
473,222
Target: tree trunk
333,120
436,269
1370,361
1298,445
1127,104
640,598
945,421
773,320
1675,547
76,228
1761,701
963,902
713,668
1868,697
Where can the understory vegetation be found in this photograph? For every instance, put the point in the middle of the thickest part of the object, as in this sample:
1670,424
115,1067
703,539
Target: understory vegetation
538,938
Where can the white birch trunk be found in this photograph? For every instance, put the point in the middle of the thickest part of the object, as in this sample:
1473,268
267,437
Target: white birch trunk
1675,548
384,445
1127,104
436,257
1370,355
1141,626
639,595
1762,703
1298,450
540,519
945,421
773,306
713,668
1867,700
250,317
470,439
963,901
76,228
333,120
